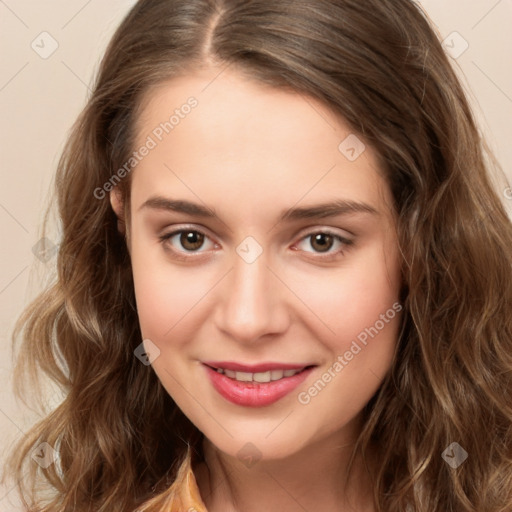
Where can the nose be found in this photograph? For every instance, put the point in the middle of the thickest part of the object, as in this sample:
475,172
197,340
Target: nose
252,302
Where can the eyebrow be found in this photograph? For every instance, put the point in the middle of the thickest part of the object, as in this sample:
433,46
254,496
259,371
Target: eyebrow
175,205
330,209
319,211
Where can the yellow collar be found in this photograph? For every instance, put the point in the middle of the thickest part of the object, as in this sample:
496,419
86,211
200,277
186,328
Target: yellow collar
184,492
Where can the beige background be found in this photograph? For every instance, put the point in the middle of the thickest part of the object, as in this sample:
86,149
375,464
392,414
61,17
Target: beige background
41,97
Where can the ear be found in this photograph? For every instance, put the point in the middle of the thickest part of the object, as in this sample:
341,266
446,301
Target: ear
117,203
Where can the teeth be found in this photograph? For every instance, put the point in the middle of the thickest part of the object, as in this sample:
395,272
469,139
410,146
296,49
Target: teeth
271,375
262,377
276,374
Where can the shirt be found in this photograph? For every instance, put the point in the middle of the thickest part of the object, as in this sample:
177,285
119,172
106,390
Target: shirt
184,491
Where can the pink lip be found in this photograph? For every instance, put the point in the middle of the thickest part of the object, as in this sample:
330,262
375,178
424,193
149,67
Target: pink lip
255,368
255,394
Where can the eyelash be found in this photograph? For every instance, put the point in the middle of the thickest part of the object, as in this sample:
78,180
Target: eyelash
164,239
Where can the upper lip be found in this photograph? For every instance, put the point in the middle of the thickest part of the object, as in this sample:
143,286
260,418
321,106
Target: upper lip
254,368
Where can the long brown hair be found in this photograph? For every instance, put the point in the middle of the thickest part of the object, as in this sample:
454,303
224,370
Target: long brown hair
379,65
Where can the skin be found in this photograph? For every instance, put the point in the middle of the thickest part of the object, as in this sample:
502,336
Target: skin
250,152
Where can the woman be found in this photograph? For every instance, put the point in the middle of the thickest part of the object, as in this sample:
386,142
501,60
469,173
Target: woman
284,274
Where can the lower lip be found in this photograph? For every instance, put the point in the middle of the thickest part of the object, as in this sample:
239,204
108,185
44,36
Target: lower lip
255,394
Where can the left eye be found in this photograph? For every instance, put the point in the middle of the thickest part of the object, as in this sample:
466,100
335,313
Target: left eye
189,239
323,241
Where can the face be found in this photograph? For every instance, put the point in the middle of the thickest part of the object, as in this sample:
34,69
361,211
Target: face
259,243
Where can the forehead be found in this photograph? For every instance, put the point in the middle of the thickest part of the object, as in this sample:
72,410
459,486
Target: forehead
249,143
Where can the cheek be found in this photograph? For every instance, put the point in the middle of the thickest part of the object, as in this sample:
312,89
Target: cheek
165,293
360,355
365,315
354,298
165,298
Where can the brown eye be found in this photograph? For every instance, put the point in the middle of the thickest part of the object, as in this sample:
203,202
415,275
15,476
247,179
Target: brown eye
324,244
191,240
321,242
187,242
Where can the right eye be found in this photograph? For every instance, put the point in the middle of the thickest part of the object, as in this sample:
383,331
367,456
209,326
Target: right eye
185,240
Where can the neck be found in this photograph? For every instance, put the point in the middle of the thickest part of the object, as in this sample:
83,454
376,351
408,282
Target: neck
310,479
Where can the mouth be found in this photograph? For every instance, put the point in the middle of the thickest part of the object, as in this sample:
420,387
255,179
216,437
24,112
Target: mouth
264,385
260,376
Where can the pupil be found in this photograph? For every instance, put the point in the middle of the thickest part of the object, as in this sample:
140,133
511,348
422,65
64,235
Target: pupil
320,239
191,240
